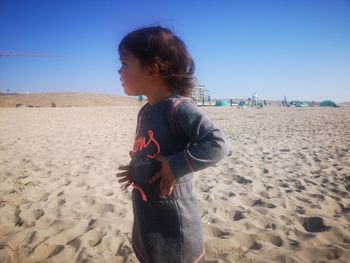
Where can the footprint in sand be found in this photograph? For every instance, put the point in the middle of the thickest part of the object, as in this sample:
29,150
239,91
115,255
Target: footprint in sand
333,253
216,231
44,197
109,193
340,193
318,197
205,188
231,194
207,197
241,180
61,202
92,224
294,243
89,200
255,246
27,217
261,203
92,238
344,209
309,182
56,250
60,193
300,210
104,208
271,238
38,213
307,201
124,251
238,216
335,198
298,185
75,243
18,220
284,150
284,185
32,237
46,250
271,226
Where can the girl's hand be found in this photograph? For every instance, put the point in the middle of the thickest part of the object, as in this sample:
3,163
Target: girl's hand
125,177
167,179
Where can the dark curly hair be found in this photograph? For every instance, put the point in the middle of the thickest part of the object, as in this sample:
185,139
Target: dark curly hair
158,45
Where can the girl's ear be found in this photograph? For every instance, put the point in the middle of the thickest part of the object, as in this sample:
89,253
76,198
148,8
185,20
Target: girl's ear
153,71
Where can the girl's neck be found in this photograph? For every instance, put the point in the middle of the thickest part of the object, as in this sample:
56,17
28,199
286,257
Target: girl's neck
157,95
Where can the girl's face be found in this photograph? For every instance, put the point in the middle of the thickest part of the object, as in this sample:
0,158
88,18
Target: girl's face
132,75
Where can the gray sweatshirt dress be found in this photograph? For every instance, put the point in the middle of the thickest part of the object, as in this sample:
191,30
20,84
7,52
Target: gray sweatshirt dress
170,229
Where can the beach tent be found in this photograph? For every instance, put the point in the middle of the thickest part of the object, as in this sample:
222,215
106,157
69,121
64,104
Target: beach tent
222,103
242,104
328,103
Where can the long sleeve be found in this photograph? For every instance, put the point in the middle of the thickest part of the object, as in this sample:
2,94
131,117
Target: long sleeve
207,143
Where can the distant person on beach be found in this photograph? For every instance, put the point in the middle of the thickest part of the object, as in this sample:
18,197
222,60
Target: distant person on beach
255,99
140,99
173,139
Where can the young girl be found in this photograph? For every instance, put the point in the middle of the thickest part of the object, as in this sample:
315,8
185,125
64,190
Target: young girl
173,139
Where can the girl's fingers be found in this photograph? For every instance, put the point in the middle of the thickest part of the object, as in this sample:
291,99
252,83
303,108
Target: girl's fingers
170,189
122,174
165,187
126,179
130,153
125,186
123,167
155,177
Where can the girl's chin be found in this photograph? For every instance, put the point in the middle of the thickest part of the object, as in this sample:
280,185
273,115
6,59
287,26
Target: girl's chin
130,92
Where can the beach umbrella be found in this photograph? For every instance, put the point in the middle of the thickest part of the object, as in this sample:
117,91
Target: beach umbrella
328,103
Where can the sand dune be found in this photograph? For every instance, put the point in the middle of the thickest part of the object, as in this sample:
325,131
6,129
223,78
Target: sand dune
282,196
62,99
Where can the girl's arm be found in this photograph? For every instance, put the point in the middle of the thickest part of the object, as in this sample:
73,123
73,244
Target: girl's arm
207,143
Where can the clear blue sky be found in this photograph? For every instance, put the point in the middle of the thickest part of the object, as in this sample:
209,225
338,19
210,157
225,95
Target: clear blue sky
297,48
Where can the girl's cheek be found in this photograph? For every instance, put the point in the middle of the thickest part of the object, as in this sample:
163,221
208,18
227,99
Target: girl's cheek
124,73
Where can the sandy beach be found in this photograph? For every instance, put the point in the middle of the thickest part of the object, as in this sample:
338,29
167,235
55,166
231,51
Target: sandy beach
282,196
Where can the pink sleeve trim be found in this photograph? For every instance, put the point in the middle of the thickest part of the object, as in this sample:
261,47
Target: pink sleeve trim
200,257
